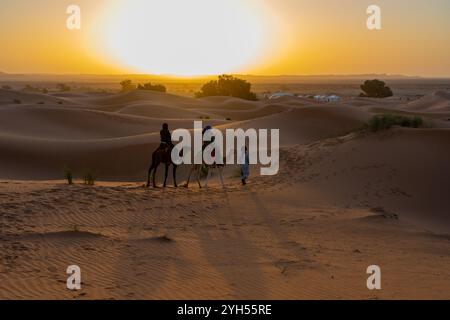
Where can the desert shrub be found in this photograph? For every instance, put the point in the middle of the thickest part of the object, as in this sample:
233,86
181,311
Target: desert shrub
228,119
205,117
30,88
386,121
227,85
17,101
127,85
89,179
152,87
6,87
68,175
417,122
41,102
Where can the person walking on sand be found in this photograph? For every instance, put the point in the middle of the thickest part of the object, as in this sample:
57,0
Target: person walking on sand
245,166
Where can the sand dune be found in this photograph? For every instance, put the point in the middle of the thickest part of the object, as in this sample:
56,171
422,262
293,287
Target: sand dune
403,171
140,96
8,97
230,103
69,123
307,124
436,102
295,230
160,111
238,115
343,200
39,141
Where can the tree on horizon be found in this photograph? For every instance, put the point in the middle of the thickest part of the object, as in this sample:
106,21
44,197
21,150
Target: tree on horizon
127,85
227,85
375,89
152,87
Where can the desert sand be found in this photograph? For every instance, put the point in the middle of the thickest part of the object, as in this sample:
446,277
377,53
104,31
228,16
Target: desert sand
342,201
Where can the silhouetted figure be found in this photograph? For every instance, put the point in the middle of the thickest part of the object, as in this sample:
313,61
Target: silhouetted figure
163,155
166,137
245,167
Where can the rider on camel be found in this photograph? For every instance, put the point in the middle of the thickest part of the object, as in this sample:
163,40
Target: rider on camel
166,137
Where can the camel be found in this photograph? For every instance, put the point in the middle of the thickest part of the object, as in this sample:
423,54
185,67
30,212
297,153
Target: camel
197,168
162,155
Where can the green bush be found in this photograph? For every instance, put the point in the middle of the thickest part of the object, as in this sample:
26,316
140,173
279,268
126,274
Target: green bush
89,179
30,88
227,85
127,85
375,89
68,175
152,87
386,121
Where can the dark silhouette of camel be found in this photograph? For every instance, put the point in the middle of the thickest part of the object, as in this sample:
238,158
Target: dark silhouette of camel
162,155
197,169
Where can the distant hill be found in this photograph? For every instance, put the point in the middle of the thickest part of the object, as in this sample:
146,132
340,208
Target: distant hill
113,80
8,76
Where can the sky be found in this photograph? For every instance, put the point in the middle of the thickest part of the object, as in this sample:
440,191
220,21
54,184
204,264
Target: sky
198,37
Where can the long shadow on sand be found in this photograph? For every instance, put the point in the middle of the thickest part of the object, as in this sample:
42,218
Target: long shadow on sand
147,265
231,254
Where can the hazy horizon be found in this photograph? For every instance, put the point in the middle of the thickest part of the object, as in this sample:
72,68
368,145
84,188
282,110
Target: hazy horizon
266,38
343,75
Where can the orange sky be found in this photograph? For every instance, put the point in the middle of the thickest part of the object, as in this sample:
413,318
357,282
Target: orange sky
255,36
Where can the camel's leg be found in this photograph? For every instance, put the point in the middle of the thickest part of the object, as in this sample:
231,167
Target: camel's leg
221,176
174,173
207,176
154,175
189,176
166,171
199,172
149,174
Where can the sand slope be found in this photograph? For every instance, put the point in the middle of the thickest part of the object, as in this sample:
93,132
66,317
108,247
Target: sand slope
436,102
8,97
403,171
343,200
307,124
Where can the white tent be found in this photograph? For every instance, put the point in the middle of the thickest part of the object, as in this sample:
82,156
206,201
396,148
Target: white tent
333,98
319,98
280,95
323,98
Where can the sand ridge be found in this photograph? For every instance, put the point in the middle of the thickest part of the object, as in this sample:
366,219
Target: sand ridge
343,200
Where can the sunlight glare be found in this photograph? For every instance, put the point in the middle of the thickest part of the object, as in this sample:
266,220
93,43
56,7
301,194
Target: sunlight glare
179,37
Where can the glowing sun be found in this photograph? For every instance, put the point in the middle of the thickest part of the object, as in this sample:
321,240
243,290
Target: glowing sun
184,37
